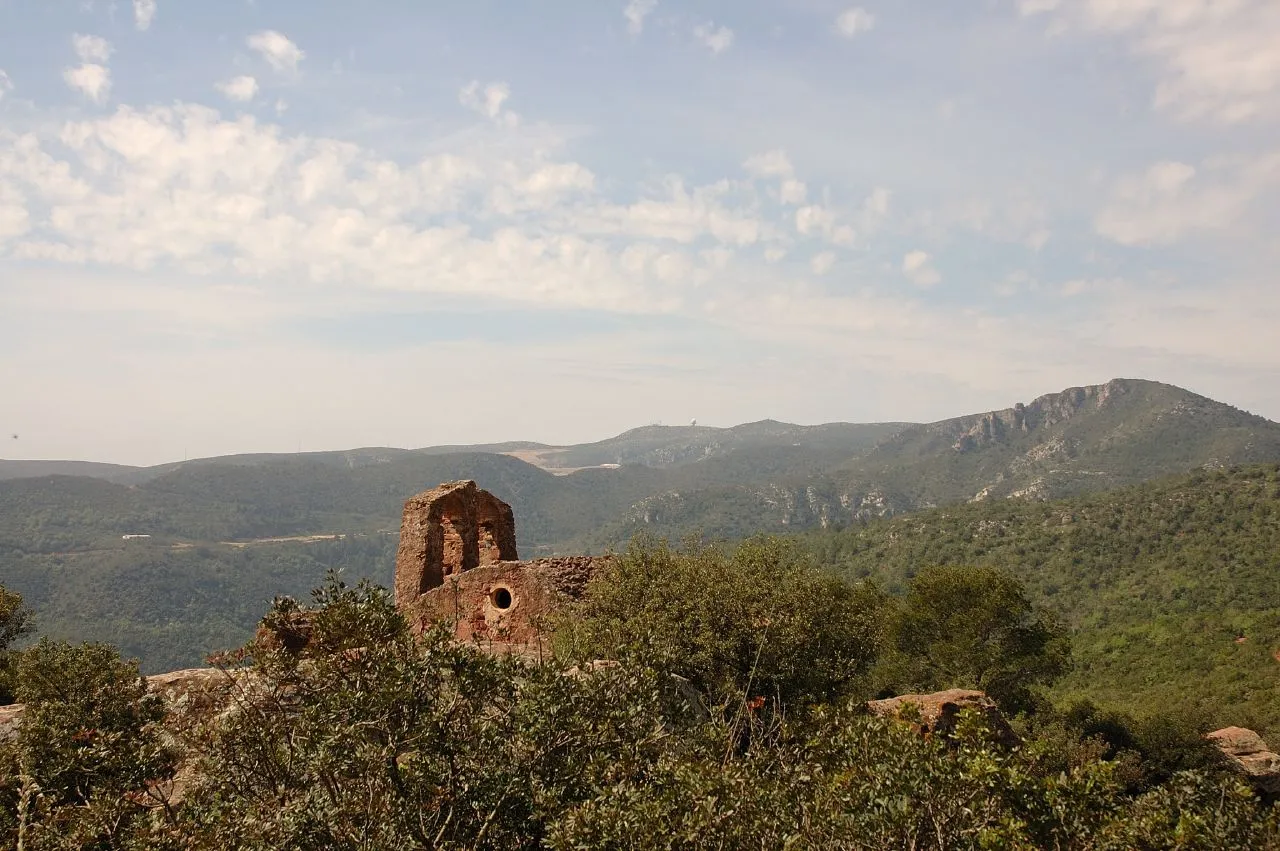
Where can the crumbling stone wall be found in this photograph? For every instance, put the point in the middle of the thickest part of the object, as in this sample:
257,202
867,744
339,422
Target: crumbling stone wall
507,605
446,531
457,565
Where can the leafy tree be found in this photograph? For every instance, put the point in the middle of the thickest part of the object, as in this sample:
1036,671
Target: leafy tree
371,738
89,750
1195,812
15,622
762,621
975,627
367,737
1169,587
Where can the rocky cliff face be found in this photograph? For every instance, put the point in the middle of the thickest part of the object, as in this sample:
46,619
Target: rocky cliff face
1062,444
1043,413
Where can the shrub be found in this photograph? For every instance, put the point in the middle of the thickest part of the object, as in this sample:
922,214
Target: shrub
762,620
974,627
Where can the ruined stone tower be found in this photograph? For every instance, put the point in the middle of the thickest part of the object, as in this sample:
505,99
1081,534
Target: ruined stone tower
457,565
448,530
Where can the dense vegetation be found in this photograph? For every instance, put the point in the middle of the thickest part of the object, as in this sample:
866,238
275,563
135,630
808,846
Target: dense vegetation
1157,602
171,607
1171,589
732,733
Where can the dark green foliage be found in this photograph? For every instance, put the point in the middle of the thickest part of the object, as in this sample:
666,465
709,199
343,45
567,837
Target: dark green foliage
973,627
839,780
1170,589
762,620
1145,752
1193,812
172,607
15,622
88,749
372,739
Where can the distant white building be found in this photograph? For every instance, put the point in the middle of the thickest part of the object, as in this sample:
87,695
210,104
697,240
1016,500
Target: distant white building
133,537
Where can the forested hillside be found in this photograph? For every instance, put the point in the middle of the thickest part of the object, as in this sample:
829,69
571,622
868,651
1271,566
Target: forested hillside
211,560
734,713
1080,440
1172,588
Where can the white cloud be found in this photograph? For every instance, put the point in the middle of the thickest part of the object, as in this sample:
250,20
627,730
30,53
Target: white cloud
792,192
184,191
855,21
821,263
681,215
918,267
279,52
6,85
635,13
241,88
93,81
1173,199
843,235
143,13
1015,216
716,39
522,190
1217,61
776,163
876,206
769,164
14,218
1084,286
487,99
816,220
91,48
1037,7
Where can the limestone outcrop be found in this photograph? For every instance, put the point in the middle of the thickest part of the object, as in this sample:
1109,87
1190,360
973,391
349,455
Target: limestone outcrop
10,718
1251,755
937,713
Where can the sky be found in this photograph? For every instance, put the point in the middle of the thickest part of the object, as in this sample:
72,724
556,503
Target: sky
277,225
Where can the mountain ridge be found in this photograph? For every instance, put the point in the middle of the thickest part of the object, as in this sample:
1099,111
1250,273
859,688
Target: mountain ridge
217,528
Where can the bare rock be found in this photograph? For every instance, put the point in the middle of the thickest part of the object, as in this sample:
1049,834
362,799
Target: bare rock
1251,755
10,718
937,713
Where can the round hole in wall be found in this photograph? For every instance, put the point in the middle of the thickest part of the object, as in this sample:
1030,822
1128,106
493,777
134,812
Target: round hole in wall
501,598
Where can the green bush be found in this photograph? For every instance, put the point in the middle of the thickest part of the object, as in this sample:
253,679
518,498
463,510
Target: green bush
762,621
974,627
372,738
15,621
88,752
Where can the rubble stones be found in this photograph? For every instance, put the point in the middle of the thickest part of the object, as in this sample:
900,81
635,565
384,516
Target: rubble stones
937,713
1250,754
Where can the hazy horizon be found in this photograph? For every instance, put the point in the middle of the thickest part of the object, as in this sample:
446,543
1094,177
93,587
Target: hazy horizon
551,444
259,226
